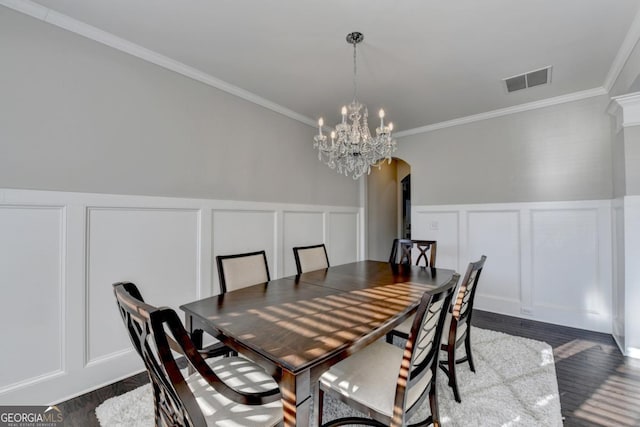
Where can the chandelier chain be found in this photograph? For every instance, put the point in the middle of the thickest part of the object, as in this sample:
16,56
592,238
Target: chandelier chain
355,73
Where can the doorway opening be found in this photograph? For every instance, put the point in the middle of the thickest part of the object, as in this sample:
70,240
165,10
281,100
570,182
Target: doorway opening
388,207
405,184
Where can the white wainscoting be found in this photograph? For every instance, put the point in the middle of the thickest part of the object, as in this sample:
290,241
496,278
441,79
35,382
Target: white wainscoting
62,251
548,261
301,229
631,340
618,255
32,265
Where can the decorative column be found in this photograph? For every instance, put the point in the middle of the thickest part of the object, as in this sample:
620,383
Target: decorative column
626,222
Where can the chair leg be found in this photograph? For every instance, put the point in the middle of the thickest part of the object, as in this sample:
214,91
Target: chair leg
451,364
389,338
433,404
196,337
320,407
467,348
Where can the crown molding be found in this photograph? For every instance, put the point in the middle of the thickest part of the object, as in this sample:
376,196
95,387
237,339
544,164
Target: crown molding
27,7
63,21
576,96
52,17
626,110
627,46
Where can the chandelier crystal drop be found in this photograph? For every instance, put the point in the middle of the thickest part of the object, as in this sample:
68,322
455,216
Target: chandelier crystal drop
350,147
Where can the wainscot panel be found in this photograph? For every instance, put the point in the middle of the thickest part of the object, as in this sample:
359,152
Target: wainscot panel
32,254
238,231
546,261
301,229
155,248
61,252
342,244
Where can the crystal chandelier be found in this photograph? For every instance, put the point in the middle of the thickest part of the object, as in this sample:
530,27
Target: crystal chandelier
351,148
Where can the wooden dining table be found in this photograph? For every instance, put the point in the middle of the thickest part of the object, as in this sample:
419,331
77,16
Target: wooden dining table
297,327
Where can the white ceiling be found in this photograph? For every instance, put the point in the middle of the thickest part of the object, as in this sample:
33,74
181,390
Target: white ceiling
424,61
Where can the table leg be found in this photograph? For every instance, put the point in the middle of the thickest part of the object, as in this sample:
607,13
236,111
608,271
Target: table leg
196,337
296,398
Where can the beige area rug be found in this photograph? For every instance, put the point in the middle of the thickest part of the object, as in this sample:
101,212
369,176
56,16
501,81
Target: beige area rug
514,385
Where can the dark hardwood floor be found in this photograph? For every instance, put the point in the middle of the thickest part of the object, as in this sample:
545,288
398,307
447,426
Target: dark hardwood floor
598,386
80,411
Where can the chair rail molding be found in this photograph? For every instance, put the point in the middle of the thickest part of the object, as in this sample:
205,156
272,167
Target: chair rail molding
84,242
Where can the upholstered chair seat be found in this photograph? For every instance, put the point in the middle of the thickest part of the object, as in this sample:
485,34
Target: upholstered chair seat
370,377
244,376
221,391
387,383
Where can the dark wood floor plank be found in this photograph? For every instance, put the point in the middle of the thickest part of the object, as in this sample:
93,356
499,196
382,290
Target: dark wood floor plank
598,386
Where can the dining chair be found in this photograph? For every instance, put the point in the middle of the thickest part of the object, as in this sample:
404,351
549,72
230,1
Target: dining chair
221,392
241,270
403,248
387,383
423,247
401,251
457,329
238,271
311,258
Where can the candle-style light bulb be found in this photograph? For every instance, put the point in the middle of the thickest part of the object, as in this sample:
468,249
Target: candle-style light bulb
320,124
344,113
390,126
333,137
381,115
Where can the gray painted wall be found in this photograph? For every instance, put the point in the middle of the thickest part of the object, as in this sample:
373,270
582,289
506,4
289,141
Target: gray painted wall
76,115
627,80
619,178
556,153
632,160
382,211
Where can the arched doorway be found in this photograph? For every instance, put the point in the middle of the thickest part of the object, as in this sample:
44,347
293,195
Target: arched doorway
388,207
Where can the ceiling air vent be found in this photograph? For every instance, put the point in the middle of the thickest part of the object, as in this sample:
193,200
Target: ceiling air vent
538,77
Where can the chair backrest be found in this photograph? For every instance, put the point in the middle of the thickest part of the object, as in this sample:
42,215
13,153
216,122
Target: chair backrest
154,333
402,248
425,246
241,270
310,258
463,304
401,251
421,353
174,401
